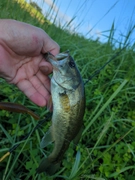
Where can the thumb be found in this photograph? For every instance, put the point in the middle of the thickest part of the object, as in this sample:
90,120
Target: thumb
45,67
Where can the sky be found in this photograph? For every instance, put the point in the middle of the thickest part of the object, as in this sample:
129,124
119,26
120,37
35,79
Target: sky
93,18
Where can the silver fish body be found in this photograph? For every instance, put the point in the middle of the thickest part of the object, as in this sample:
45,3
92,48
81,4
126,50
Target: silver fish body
68,98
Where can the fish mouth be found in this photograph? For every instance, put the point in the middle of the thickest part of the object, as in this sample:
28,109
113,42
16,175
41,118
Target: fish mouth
58,60
59,57
49,56
62,56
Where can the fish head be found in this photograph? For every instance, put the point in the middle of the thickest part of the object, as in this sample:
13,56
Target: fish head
65,71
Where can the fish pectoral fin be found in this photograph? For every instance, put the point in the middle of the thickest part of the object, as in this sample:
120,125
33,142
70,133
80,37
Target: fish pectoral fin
47,139
50,104
78,136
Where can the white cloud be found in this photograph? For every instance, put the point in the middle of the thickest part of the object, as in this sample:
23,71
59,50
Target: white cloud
51,4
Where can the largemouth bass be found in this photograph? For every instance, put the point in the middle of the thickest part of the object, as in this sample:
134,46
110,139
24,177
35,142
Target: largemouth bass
68,99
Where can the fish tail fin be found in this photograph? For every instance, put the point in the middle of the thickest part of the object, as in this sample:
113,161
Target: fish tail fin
49,167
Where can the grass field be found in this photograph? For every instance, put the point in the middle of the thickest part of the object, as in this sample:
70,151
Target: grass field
107,147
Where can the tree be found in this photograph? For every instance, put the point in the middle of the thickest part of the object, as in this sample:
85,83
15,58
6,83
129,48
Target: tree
36,6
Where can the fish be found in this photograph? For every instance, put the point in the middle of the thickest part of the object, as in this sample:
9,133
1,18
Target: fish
68,98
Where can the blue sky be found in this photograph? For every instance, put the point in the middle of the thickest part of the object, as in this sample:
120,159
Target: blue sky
93,18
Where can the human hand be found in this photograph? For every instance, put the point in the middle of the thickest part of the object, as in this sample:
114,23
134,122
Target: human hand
21,59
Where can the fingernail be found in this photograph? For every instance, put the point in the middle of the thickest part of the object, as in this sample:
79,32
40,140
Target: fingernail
45,69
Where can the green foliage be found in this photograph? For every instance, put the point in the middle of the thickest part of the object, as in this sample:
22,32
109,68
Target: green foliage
36,6
107,146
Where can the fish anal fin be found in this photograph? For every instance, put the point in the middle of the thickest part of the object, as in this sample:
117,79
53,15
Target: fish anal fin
47,139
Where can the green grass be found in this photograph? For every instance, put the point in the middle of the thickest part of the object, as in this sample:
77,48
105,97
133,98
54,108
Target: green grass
107,146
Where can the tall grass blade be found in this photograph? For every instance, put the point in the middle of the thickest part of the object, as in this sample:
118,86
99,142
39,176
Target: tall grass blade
76,165
103,132
7,134
105,105
103,16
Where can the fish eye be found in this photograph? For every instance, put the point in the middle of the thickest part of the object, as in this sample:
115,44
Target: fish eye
71,63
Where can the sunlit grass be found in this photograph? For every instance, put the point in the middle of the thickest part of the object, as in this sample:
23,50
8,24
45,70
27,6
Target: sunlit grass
107,146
